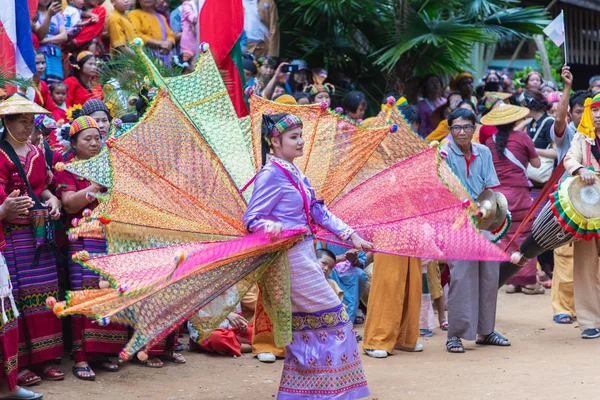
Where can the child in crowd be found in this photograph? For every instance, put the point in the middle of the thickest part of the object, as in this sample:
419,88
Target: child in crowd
355,105
58,91
76,17
327,261
187,45
42,95
120,28
233,336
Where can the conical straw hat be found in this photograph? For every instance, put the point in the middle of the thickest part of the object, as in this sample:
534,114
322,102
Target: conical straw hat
504,114
17,104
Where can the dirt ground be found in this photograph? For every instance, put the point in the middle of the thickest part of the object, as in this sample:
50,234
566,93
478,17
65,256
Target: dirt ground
545,361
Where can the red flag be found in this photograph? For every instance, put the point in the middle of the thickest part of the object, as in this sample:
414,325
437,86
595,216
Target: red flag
221,25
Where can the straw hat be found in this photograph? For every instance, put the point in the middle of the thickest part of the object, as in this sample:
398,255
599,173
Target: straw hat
500,95
504,114
17,104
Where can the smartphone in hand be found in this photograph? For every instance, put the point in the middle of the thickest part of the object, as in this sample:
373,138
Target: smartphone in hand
289,69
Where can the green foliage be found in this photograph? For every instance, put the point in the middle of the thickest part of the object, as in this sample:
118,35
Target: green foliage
378,44
129,72
555,56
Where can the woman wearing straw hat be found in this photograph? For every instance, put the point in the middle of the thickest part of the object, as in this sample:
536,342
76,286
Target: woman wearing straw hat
31,263
512,151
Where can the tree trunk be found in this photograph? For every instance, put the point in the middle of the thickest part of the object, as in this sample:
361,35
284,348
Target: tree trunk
539,42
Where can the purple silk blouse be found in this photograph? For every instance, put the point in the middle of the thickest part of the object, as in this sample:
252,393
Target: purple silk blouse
275,199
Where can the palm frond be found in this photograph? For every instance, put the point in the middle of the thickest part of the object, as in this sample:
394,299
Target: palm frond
520,22
457,36
8,79
129,71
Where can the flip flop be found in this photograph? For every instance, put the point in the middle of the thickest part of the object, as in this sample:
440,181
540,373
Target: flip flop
104,365
78,370
174,357
560,319
23,394
150,361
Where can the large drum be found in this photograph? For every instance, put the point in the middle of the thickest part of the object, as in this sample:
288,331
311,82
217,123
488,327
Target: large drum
572,213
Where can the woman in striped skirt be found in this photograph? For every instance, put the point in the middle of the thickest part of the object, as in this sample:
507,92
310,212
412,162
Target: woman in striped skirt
91,342
322,360
31,263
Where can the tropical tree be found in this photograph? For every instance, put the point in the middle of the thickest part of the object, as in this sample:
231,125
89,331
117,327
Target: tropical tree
379,44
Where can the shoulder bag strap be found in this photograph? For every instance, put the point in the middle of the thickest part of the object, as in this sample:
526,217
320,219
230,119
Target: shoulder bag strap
513,159
15,160
539,130
48,155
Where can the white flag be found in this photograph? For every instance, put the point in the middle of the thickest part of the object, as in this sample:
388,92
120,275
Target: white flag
556,30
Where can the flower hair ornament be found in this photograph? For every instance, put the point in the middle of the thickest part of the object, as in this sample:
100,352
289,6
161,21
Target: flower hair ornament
74,112
44,122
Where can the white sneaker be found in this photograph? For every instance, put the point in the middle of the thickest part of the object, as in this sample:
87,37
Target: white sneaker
418,348
266,357
377,353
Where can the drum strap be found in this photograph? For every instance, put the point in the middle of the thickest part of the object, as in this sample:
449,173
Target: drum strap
594,149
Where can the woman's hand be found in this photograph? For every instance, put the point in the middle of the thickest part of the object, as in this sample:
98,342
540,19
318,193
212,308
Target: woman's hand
274,230
588,177
359,243
53,205
95,188
16,205
279,74
55,8
238,322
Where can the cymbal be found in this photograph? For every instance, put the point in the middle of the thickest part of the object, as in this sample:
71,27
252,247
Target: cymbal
488,206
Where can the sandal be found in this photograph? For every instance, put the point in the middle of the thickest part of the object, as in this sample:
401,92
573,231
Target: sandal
358,338
444,325
425,332
151,362
536,289
78,372
174,357
510,289
494,339
107,365
53,374
544,279
27,379
23,394
454,345
359,320
563,319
